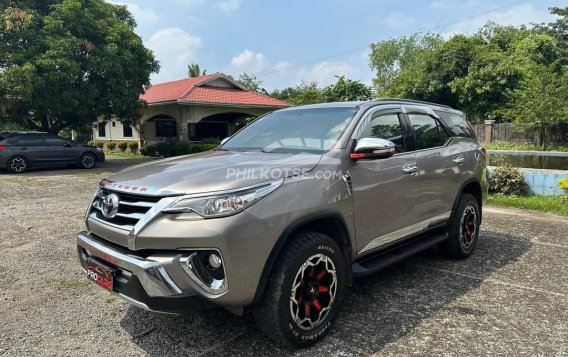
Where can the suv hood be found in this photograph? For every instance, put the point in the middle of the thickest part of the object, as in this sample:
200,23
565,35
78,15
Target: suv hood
209,171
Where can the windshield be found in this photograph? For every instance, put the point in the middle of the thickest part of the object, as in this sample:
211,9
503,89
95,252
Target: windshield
296,130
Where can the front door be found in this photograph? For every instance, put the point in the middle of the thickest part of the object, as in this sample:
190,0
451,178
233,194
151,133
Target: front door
384,190
60,151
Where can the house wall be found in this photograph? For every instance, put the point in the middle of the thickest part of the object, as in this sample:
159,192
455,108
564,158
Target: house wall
184,115
115,133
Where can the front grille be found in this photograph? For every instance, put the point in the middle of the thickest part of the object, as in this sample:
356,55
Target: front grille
131,209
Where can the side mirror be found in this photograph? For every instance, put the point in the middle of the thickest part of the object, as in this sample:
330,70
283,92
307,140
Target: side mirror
225,140
67,144
373,148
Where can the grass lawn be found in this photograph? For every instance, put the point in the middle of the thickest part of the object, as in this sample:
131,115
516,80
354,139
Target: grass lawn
552,204
521,147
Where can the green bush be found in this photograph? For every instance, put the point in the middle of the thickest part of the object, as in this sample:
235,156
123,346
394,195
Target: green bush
166,148
149,149
133,146
111,146
97,144
122,146
508,180
204,147
212,141
182,148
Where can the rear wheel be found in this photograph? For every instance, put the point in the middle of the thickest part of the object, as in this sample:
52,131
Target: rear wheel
87,161
304,292
463,228
18,164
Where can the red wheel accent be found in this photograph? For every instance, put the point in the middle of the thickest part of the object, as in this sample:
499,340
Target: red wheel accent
307,309
323,289
316,304
321,275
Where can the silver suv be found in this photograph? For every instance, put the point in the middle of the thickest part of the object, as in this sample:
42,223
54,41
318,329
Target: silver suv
288,211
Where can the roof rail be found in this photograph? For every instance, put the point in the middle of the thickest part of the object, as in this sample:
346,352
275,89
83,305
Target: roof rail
412,101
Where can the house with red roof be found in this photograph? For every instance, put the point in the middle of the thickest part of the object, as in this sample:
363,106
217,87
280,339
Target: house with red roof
194,109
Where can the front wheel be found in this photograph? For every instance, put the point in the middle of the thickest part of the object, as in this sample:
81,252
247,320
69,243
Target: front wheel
463,228
304,292
87,161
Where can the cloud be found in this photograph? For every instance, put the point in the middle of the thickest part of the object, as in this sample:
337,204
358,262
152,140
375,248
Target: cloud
175,49
398,19
141,14
325,72
523,14
249,61
229,5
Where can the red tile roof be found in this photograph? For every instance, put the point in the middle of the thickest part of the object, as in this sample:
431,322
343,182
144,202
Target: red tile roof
197,90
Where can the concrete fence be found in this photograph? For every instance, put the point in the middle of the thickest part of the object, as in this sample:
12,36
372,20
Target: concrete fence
541,182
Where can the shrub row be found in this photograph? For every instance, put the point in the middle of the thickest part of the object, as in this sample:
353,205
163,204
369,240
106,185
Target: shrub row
508,180
175,148
122,146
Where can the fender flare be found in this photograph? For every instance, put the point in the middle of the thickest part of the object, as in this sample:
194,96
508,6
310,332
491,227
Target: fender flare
286,236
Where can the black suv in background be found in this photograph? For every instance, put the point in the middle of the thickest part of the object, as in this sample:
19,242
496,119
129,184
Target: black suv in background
20,151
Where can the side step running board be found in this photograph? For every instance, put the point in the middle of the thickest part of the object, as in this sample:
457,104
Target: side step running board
374,263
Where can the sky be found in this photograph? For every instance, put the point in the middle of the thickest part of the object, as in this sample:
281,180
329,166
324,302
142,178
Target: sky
286,42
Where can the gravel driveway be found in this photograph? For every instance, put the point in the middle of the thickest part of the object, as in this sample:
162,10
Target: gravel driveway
509,298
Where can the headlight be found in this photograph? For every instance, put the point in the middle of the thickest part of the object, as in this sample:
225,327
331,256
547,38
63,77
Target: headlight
224,203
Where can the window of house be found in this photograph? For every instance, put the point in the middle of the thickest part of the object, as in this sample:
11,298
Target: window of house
126,130
113,124
102,130
428,132
166,128
385,126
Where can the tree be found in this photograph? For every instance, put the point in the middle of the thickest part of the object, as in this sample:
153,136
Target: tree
65,63
250,82
540,101
302,94
346,90
193,70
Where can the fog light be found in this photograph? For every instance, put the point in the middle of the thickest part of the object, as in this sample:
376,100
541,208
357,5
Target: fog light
215,261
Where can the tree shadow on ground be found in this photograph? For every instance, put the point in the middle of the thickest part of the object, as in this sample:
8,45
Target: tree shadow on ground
377,310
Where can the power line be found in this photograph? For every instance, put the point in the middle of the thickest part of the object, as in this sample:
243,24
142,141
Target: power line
296,65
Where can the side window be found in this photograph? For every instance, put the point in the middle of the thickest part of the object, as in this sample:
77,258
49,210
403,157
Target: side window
428,133
457,124
126,130
31,141
385,126
102,130
55,142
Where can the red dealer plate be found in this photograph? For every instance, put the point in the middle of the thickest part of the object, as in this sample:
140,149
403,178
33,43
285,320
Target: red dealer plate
100,274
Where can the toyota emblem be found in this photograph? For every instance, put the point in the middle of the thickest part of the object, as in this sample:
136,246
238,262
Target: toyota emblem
109,205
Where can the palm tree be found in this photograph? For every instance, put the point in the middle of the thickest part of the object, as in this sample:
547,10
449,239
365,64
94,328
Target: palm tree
193,70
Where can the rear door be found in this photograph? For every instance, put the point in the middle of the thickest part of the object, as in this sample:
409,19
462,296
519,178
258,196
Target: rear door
384,190
33,148
438,163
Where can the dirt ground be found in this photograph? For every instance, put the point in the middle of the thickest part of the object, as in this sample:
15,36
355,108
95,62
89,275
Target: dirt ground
509,298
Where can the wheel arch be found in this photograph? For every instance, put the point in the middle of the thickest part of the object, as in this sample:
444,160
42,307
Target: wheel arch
331,224
472,187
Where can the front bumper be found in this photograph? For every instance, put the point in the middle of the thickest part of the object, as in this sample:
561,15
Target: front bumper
151,282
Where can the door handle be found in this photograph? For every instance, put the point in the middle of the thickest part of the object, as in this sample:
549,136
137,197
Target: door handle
458,160
23,148
408,169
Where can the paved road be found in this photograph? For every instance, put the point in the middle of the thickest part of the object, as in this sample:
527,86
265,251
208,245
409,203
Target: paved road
509,298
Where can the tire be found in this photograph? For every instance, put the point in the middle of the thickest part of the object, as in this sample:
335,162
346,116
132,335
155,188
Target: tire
87,161
293,285
463,228
18,164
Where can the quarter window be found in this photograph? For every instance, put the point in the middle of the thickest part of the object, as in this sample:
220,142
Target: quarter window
428,132
385,126
32,141
457,124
